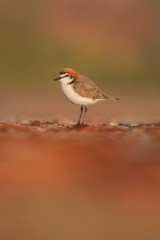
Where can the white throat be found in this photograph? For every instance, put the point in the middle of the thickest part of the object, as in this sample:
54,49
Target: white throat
65,80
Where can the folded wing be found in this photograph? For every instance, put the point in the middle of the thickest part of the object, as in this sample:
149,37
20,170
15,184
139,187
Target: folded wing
86,88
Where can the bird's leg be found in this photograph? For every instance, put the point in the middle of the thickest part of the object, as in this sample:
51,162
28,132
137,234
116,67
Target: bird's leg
80,116
84,119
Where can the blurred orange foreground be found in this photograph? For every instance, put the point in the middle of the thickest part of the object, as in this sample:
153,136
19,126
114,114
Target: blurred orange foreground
93,182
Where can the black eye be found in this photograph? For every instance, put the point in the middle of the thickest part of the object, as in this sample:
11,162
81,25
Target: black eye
61,73
67,75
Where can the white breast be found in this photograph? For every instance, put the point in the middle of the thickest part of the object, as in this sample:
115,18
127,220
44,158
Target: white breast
73,97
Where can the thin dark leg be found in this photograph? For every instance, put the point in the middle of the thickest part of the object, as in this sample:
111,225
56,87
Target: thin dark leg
80,116
84,119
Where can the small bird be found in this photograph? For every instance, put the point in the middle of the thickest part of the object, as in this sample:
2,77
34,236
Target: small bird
80,90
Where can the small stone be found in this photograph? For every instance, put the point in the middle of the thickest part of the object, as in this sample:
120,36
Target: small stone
114,124
36,123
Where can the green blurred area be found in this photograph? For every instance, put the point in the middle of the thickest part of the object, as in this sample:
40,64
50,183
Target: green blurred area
34,51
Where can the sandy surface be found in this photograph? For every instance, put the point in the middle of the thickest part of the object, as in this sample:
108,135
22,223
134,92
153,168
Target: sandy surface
131,108
61,181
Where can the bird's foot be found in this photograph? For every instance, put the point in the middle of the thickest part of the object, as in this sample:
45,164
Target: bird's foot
78,123
84,124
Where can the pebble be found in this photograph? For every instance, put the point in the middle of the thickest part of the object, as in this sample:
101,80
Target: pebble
36,123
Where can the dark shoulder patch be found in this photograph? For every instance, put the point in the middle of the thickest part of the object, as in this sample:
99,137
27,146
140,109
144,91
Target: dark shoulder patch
71,82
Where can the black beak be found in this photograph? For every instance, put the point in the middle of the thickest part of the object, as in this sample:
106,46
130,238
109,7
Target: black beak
56,79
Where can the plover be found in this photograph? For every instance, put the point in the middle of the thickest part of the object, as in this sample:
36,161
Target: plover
80,90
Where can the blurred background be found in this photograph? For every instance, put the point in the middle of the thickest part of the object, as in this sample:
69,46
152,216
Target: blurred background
79,184
115,43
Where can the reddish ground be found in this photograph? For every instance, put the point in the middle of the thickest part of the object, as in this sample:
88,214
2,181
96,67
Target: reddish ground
60,181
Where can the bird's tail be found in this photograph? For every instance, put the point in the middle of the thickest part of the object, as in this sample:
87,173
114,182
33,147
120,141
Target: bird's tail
107,97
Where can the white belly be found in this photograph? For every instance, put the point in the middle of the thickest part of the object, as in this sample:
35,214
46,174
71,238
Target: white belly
74,98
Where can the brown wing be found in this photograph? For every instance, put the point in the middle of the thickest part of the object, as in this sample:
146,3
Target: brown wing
86,88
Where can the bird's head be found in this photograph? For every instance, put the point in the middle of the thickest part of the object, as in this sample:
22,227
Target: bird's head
67,75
